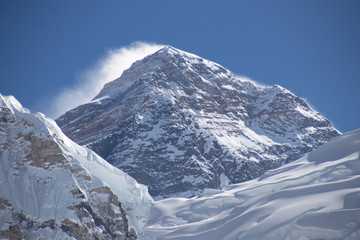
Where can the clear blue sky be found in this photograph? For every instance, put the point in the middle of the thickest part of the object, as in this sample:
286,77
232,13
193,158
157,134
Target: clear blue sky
310,47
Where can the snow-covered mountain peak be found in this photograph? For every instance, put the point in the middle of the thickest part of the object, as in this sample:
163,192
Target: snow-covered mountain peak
11,103
213,127
166,58
52,188
169,50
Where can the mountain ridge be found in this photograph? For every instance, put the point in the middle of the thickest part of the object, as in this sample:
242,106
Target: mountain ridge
54,188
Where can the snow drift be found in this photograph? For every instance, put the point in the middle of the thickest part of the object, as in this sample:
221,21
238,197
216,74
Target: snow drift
315,197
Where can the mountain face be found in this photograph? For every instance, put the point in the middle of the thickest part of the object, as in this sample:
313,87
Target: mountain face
315,197
179,124
52,188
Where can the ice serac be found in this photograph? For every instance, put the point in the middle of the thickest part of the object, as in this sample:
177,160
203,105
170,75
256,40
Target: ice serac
315,197
179,123
52,188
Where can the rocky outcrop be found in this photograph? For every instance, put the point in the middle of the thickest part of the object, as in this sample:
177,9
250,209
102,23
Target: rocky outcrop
179,123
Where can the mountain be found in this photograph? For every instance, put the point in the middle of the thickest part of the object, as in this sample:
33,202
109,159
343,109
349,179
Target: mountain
179,124
52,188
315,197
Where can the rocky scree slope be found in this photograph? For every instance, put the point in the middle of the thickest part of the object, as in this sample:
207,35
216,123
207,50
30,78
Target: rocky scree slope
52,188
179,123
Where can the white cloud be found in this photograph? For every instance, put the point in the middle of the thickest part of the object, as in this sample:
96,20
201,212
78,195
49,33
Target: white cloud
92,80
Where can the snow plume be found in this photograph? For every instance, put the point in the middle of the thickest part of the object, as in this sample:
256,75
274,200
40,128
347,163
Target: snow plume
250,80
91,81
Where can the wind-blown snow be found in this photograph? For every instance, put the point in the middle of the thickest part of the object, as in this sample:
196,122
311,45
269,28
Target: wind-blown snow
315,197
92,80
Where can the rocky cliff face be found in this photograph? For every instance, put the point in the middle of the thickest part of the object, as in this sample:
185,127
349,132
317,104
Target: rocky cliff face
51,188
179,123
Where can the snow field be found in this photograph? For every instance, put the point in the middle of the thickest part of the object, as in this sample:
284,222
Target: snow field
316,197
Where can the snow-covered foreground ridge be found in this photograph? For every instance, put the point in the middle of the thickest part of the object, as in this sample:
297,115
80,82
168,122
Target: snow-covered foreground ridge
315,197
50,187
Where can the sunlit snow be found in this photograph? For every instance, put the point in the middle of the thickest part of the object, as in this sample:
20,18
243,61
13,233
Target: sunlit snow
316,197
45,194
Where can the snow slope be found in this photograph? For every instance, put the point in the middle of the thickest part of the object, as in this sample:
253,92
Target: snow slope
315,197
51,187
